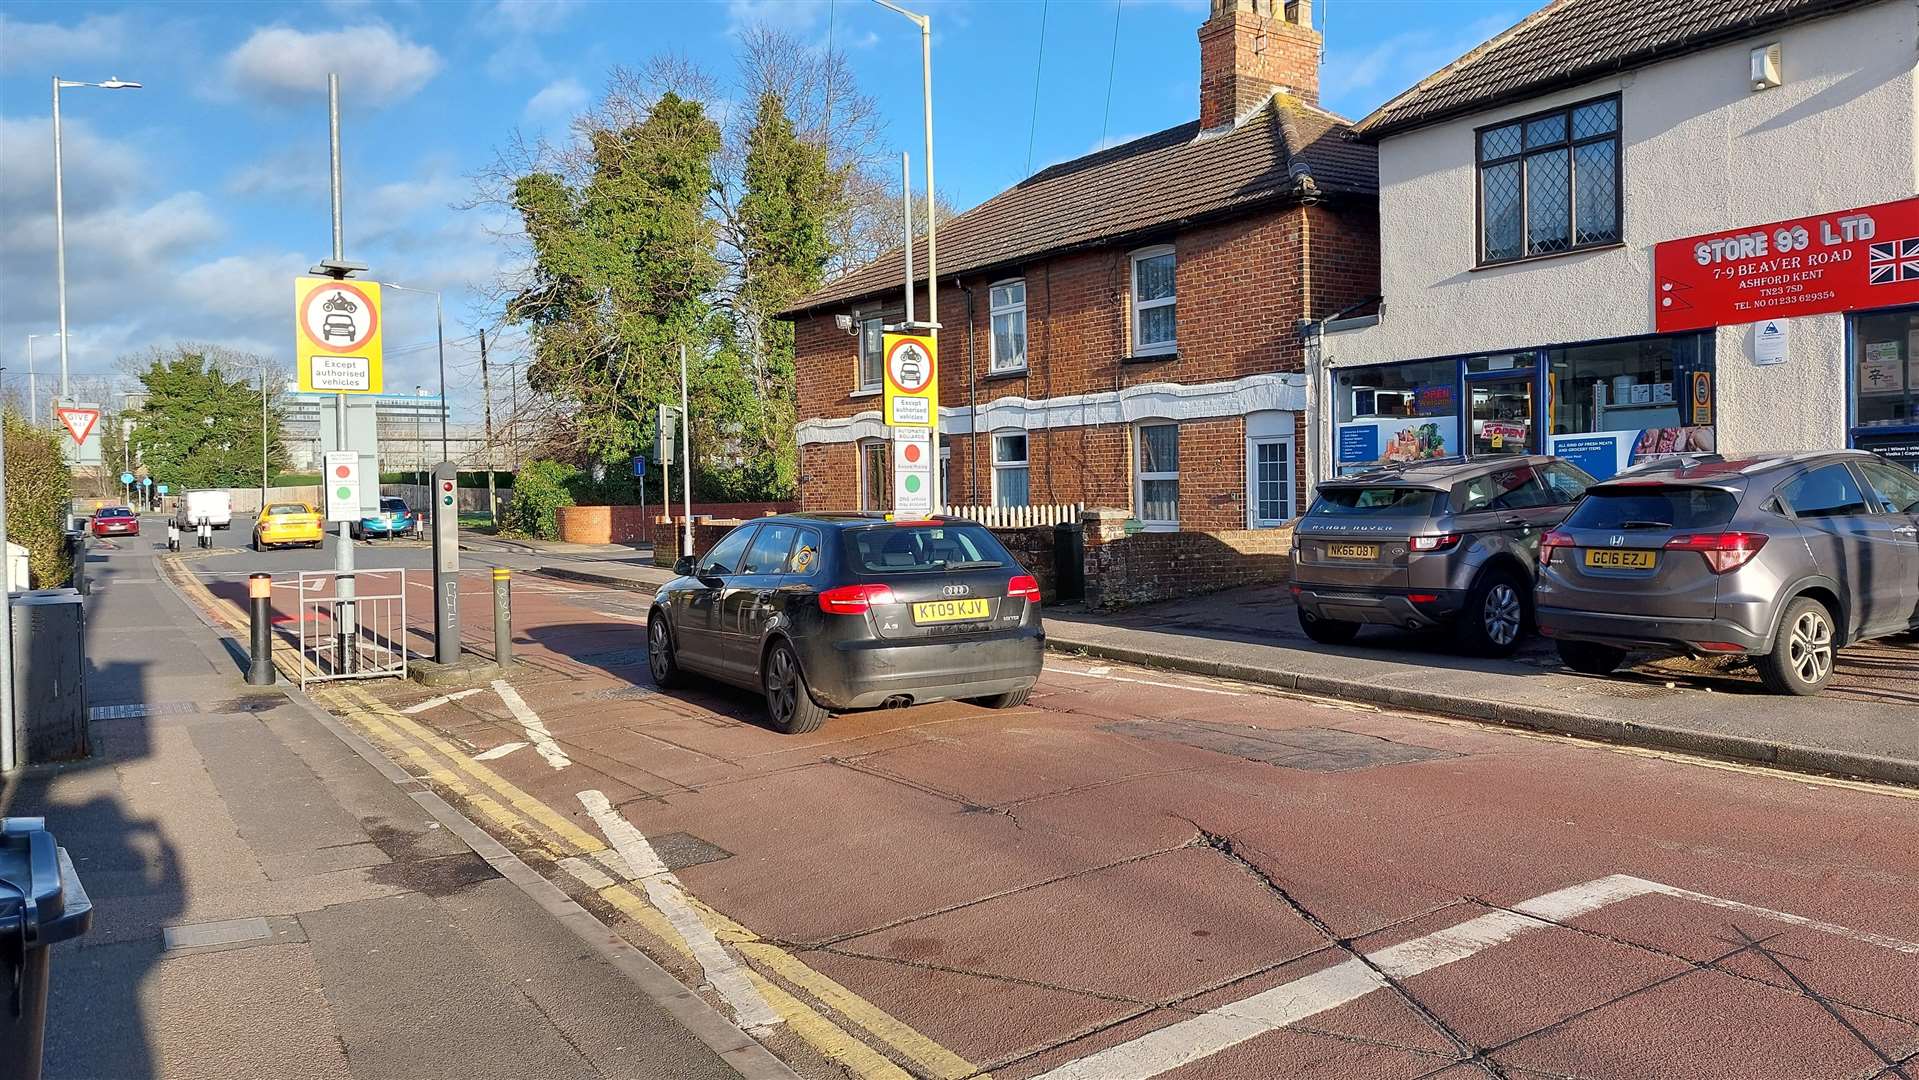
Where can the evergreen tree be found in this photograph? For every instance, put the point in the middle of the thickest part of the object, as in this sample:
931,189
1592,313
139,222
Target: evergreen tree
200,427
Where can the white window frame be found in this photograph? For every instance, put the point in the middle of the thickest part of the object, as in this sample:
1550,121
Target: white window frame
864,449
860,385
1140,307
1025,463
995,365
1141,476
1287,447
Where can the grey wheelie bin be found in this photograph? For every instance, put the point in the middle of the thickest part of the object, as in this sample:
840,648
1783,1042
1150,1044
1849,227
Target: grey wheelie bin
41,903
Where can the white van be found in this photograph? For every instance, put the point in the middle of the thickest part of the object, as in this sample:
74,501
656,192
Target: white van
213,507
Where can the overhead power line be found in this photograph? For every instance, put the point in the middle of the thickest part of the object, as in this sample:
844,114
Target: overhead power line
1039,65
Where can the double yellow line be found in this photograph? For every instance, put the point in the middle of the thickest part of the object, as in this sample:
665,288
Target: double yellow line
817,1009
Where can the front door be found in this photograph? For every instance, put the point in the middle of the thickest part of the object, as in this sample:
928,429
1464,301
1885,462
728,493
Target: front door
1894,496
1501,416
748,600
696,611
1854,544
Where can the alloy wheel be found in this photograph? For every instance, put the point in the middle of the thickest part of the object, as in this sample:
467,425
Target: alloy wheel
1503,614
1809,647
782,686
659,656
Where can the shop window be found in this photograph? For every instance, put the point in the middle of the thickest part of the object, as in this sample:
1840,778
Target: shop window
1400,412
872,343
1626,385
1549,182
1009,326
1158,494
1155,317
1885,369
1011,483
876,491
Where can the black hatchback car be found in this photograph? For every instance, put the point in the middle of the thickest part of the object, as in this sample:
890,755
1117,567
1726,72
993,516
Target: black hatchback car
830,612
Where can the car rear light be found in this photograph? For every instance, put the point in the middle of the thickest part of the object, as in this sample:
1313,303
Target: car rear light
854,599
1723,552
1720,646
1443,542
1023,587
1551,541
1423,597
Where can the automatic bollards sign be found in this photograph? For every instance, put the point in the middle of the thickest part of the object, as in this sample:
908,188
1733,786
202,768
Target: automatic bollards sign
912,472
337,336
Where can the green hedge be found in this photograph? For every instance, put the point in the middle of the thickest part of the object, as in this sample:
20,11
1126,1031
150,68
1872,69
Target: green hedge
39,493
543,487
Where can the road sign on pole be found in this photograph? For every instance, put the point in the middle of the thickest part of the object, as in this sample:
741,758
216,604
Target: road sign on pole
639,465
78,420
912,472
337,336
912,381
342,486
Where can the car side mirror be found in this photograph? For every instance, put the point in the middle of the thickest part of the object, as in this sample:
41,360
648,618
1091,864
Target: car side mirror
683,566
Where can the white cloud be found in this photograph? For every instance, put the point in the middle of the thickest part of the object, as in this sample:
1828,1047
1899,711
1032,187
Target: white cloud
528,16
795,15
298,171
556,103
32,46
97,170
375,65
1370,75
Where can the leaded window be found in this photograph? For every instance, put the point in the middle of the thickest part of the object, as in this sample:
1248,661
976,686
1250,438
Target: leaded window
1550,182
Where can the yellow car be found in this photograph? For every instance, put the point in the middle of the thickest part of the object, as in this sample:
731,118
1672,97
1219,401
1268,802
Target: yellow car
288,523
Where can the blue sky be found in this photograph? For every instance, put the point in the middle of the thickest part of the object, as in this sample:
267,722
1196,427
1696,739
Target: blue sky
192,203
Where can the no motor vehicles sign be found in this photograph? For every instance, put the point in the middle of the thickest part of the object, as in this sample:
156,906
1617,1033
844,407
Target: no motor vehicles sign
912,381
337,336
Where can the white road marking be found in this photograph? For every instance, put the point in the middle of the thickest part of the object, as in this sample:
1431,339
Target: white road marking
536,732
1229,1025
663,890
1099,673
499,751
620,615
443,699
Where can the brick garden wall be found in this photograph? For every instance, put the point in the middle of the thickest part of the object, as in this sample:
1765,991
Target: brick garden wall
627,525
1034,549
1124,570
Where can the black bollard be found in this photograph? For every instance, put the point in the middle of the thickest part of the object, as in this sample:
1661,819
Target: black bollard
260,602
502,617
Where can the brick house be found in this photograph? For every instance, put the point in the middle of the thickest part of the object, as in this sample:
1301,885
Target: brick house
1123,330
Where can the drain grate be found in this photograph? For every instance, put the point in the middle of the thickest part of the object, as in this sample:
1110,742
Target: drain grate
1310,749
680,850
623,693
141,708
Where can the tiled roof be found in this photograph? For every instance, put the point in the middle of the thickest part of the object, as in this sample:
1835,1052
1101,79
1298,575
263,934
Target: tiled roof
1175,175
1569,42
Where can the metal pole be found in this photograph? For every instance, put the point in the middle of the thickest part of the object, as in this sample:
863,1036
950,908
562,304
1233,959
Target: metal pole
486,391
906,211
263,439
439,331
343,557
502,616
260,617
513,418
932,223
7,749
686,460
60,236
33,390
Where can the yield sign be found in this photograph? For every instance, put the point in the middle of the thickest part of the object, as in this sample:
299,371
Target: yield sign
79,422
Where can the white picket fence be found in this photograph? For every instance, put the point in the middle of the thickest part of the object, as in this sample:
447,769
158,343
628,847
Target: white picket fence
1018,517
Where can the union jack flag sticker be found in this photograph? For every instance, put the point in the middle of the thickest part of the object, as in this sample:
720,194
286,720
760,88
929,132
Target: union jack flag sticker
1894,260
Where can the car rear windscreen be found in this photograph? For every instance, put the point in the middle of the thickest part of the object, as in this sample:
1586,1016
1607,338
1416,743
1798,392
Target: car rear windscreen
906,549
1380,501
288,508
393,506
1674,507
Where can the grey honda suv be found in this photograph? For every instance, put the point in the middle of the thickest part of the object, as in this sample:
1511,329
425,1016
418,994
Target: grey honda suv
1428,545
1781,557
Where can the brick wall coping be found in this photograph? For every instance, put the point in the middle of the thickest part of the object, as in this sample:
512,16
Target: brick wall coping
1283,391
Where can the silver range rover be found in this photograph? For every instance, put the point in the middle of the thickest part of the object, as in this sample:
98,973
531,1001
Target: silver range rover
1430,545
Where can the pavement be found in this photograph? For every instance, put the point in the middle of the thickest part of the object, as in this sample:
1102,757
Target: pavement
275,898
1866,724
1144,873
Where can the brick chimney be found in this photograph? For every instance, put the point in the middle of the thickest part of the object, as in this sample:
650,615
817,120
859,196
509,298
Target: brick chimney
1249,48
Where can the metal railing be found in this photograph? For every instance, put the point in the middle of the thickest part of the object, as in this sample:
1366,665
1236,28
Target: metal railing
1018,517
360,638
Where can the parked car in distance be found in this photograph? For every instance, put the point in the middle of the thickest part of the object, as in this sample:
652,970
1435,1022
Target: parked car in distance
213,507
284,524
115,521
392,519
830,612
1785,558
1429,545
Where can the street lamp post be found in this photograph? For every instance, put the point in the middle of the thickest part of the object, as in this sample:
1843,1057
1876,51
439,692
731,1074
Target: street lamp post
439,334
60,208
419,447
33,386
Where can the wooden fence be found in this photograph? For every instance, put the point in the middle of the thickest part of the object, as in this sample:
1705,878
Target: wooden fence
1018,517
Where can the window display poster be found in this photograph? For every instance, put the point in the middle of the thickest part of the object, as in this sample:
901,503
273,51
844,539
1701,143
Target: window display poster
1398,439
1901,448
1600,455
1358,443
1607,453
1880,371
1912,358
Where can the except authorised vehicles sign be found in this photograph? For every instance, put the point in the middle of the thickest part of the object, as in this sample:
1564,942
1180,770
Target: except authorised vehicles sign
337,336
912,381
1862,258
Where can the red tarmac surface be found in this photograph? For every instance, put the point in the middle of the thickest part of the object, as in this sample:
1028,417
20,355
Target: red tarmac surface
1133,851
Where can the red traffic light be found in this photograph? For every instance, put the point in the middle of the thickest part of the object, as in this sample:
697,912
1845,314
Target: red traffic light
446,485
342,471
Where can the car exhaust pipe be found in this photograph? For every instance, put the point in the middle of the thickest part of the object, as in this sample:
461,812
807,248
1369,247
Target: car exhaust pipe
897,701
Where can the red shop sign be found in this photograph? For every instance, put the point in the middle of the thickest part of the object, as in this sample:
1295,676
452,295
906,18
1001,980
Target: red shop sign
1864,258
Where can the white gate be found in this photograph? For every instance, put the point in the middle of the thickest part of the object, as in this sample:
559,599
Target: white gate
361,638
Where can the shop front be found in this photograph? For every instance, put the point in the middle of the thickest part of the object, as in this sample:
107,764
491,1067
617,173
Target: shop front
1603,405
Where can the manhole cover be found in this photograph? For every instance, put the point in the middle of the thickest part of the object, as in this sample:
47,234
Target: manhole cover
680,850
1309,749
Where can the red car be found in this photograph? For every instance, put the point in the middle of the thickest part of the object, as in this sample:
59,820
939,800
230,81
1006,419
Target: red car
116,521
